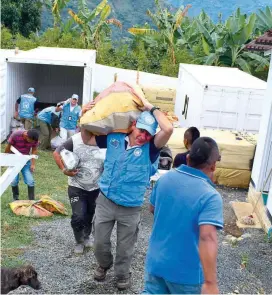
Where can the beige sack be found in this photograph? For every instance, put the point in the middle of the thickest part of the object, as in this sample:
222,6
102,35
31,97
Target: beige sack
116,108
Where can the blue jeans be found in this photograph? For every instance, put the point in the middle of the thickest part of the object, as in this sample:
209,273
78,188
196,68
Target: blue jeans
157,285
27,175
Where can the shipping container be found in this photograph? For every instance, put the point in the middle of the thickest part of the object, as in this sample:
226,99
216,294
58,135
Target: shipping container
55,73
219,98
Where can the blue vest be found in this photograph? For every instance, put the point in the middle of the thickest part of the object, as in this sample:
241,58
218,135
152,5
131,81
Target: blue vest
69,119
126,172
155,166
46,114
26,106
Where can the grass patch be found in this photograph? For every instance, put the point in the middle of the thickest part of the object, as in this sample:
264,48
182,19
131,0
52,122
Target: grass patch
16,234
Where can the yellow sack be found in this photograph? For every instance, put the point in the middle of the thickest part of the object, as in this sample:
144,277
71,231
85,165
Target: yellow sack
29,208
52,206
45,207
115,109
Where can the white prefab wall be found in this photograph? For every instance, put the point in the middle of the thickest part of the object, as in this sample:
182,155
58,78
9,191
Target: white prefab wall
104,77
218,106
19,79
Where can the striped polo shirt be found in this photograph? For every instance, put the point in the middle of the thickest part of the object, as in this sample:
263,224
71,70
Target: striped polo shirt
16,139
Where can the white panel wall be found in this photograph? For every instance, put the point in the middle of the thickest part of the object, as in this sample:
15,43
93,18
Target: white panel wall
19,79
188,85
104,77
263,153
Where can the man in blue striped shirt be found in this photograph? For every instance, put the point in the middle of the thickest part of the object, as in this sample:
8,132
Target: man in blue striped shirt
182,253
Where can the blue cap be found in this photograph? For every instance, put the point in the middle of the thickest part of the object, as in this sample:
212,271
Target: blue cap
75,96
31,89
147,122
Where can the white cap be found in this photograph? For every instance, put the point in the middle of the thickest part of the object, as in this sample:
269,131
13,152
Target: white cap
75,96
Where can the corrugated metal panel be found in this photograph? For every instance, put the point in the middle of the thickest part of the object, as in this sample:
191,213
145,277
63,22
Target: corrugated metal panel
56,56
57,83
3,75
19,79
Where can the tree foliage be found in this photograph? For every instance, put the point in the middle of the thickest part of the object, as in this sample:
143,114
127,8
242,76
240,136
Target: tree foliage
158,46
21,16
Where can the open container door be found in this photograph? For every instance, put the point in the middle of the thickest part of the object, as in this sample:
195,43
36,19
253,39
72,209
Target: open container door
55,73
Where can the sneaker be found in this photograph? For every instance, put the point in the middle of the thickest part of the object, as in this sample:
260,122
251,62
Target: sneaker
88,243
100,273
123,283
79,248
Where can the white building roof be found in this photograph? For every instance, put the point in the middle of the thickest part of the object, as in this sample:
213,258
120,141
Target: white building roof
56,56
222,76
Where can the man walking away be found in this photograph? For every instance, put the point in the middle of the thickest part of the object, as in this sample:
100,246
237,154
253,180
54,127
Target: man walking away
25,108
26,142
46,119
82,187
182,252
71,112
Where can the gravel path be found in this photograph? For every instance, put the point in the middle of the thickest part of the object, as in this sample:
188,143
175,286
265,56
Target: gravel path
62,272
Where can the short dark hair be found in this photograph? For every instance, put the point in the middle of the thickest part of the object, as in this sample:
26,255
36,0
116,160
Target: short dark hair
192,134
33,134
204,151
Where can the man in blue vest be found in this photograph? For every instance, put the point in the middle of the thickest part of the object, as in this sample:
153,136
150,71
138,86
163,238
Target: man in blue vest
48,118
71,112
25,108
126,175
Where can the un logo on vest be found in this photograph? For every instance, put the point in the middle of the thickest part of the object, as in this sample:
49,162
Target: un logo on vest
26,105
137,152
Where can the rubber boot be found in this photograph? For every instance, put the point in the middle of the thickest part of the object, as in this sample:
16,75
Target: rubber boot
15,192
31,195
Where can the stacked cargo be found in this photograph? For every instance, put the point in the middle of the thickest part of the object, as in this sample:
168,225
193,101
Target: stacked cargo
161,97
237,153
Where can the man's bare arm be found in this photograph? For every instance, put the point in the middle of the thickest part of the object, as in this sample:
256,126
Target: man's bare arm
87,137
208,246
166,127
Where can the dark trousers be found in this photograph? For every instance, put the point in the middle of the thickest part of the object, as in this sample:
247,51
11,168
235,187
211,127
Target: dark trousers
83,208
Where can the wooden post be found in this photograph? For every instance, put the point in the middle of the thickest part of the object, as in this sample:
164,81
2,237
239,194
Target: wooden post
137,77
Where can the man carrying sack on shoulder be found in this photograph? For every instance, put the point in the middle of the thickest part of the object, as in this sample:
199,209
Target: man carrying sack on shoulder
127,170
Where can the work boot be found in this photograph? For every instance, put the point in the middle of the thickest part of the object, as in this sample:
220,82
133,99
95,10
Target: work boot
123,283
79,248
15,192
101,272
88,242
31,195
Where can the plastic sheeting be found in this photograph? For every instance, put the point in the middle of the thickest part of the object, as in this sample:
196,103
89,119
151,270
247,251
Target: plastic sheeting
232,177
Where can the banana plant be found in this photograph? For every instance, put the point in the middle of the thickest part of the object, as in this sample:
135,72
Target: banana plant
166,24
93,24
57,7
224,45
264,20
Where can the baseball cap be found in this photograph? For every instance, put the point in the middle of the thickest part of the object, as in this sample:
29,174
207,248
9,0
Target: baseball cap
31,89
75,96
147,122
